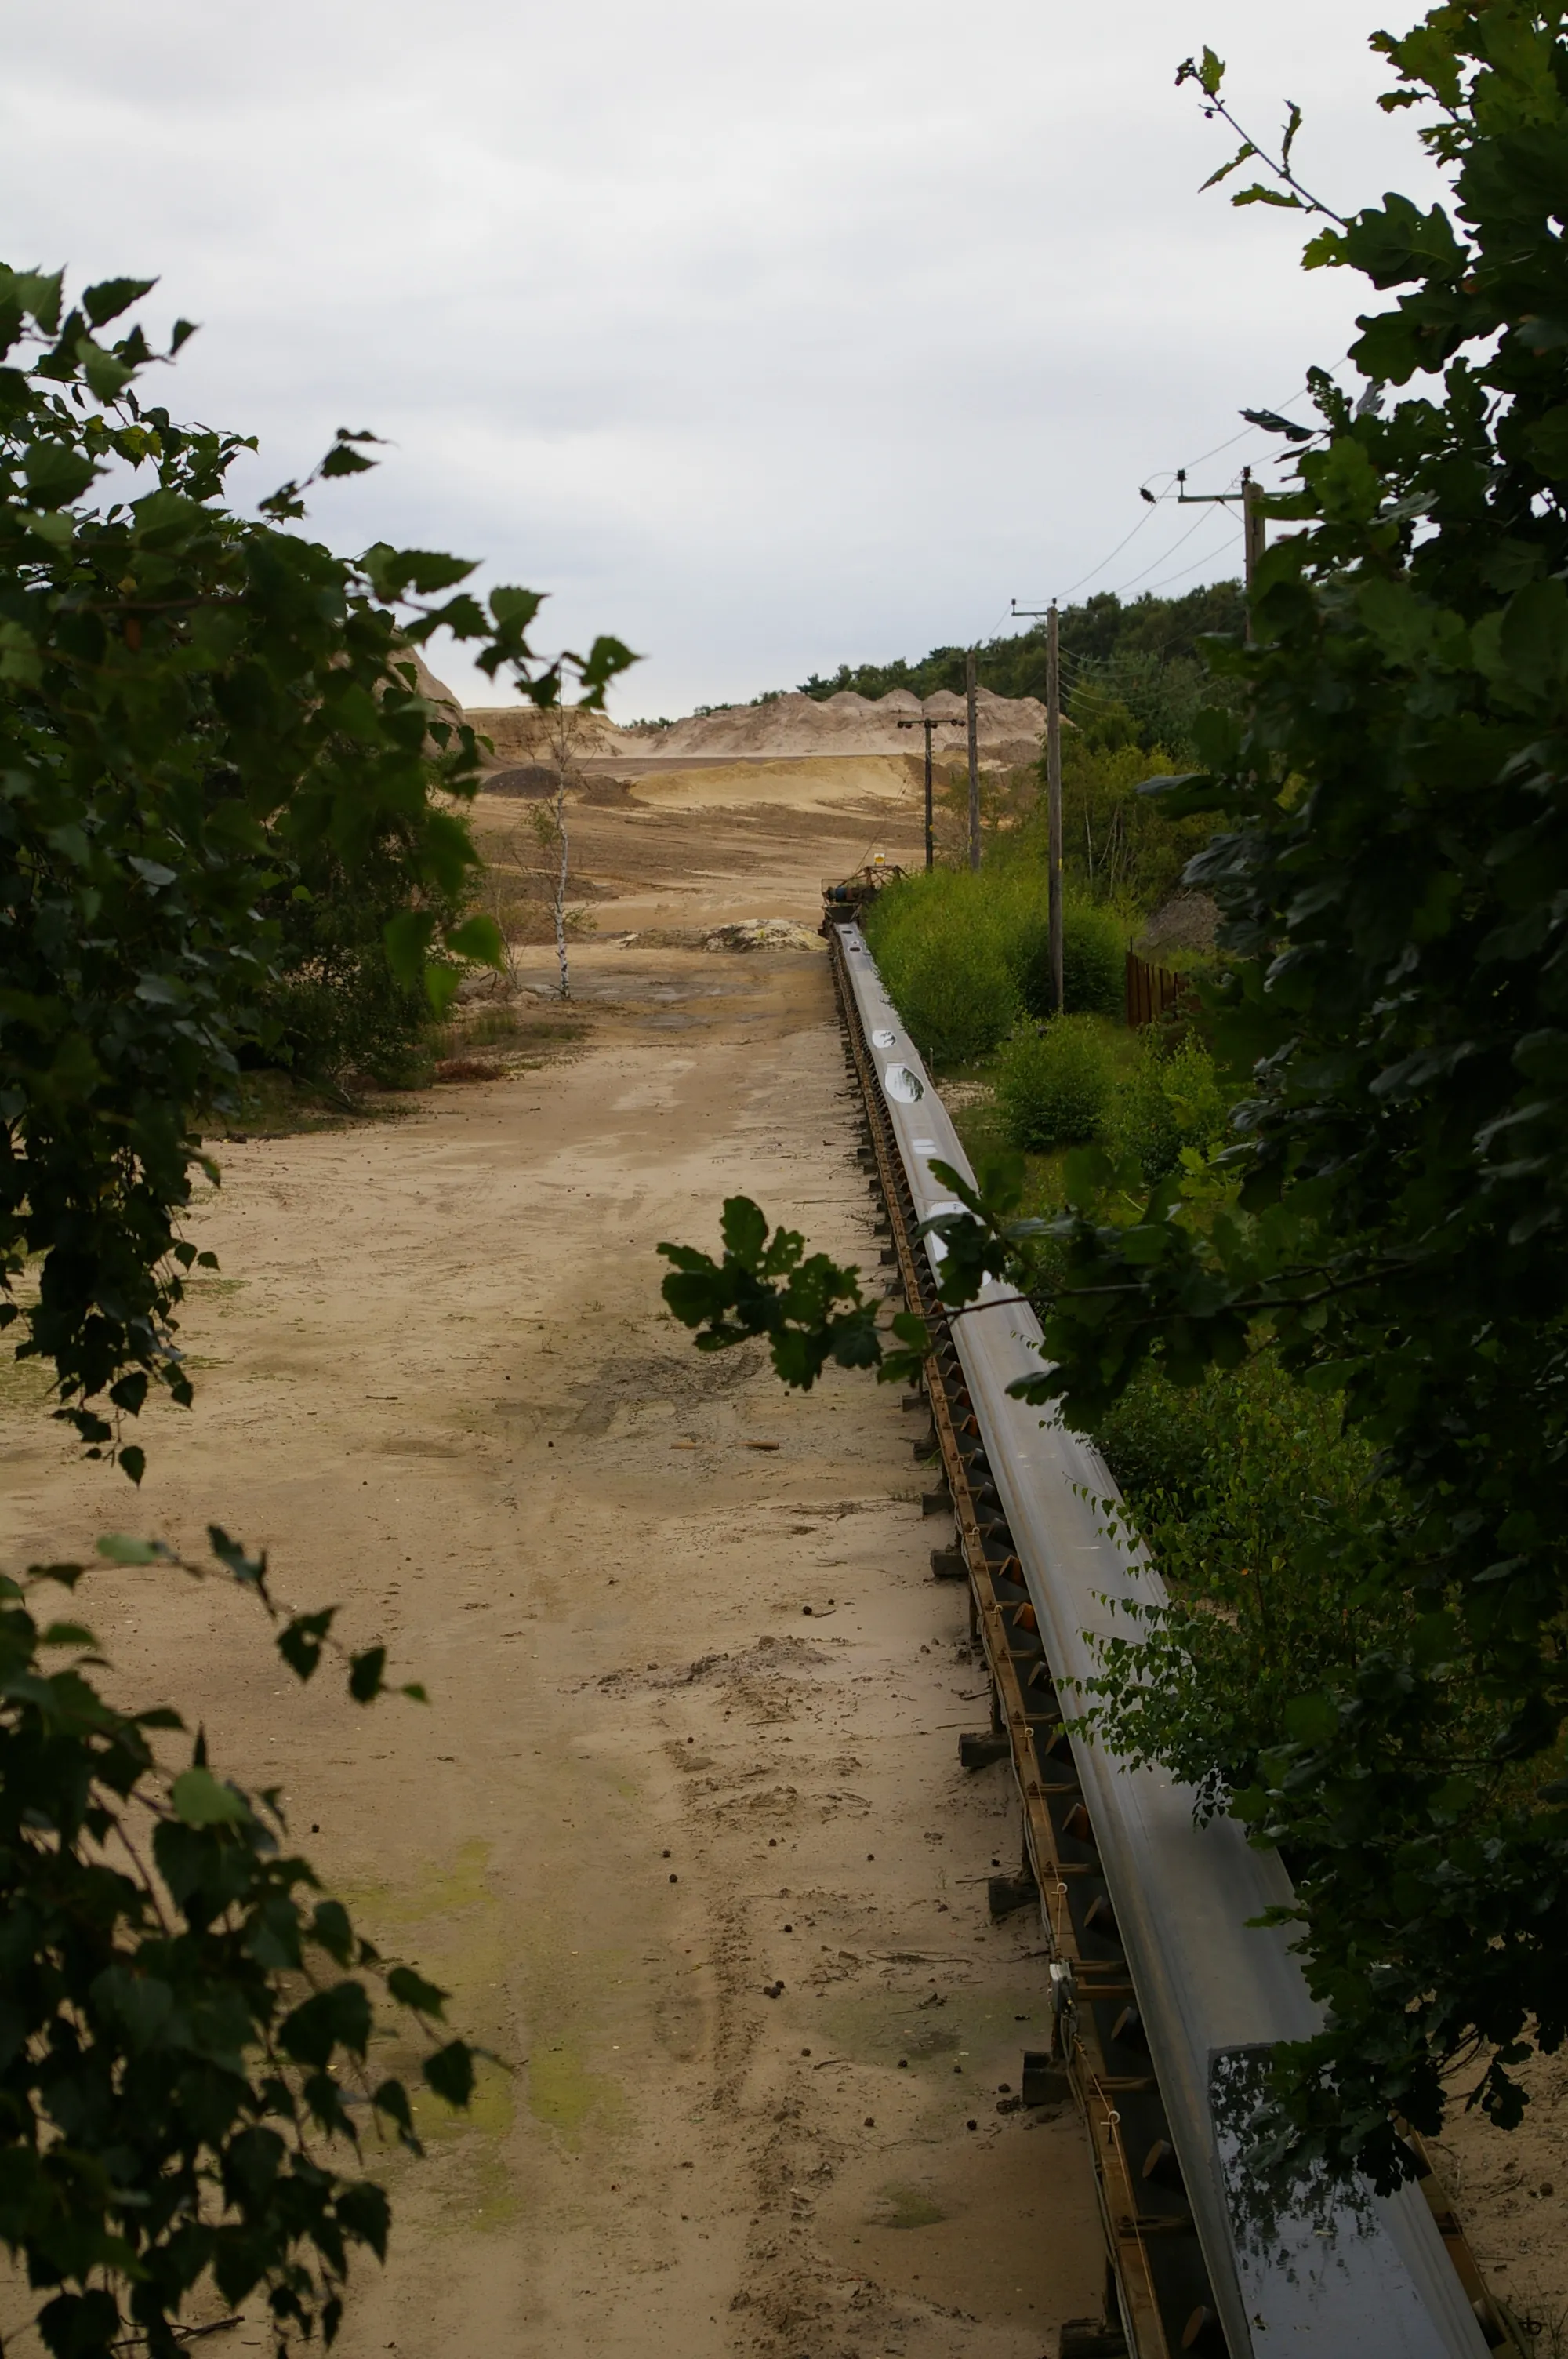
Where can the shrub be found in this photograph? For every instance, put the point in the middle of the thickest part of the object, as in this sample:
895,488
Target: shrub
1254,1502
940,948
1054,1081
1170,1099
1250,1432
1094,959
963,955
336,1007
1094,946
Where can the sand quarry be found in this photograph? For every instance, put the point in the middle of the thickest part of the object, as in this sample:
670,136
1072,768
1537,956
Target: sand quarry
683,1830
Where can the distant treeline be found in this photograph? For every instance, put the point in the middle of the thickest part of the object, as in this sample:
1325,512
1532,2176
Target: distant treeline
1135,639
1132,683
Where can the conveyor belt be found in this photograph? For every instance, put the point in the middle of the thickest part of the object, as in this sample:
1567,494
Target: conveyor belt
1166,1992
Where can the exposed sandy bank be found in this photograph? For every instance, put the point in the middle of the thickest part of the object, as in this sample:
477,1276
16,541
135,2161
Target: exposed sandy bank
1010,731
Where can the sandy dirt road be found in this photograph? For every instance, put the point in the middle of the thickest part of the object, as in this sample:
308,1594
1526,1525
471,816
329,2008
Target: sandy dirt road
684,1831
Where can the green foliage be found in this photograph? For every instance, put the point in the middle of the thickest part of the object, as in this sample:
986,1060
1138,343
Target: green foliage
1167,1099
1139,697
767,1285
964,955
1142,637
1252,1499
944,957
200,714
186,2022
1094,960
1055,1081
333,1006
1142,1098
1093,938
1118,845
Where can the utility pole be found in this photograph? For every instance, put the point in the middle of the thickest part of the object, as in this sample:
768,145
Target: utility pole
1254,525
1052,790
928,724
973,715
1054,801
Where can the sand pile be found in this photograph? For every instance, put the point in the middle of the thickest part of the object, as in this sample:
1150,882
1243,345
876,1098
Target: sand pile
760,934
788,728
522,734
744,934
1010,728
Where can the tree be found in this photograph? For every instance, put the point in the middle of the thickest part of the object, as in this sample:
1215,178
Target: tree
1388,1220
531,862
199,713
185,2025
550,834
1118,841
1149,639
334,1009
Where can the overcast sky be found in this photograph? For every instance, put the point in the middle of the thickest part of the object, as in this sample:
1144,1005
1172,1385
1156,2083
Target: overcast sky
767,336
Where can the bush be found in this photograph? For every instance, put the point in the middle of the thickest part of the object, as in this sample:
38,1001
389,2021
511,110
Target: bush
941,949
1094,949
963,955
1255,1504
1250,1431
1054,1082
1093,960
337,1010
1171,1099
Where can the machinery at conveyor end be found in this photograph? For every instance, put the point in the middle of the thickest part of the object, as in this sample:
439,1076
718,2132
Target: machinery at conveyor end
1168,1995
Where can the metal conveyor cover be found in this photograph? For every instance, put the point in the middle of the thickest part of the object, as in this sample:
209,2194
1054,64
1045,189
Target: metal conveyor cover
1350,2276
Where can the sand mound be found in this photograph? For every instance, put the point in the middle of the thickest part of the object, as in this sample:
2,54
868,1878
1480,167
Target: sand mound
1187,921
787,729
1010,728
761,934
428,685
529,782
522,735
743,934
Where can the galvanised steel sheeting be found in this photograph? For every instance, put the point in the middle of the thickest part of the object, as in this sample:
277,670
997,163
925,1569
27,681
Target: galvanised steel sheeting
1356,2277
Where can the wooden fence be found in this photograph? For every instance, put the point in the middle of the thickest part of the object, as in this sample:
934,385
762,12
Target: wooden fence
1152,991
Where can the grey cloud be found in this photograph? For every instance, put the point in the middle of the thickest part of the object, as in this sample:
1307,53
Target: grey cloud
764,336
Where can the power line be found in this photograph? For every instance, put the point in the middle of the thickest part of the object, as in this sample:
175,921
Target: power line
1158,499
1137,578
1183,572
1120,545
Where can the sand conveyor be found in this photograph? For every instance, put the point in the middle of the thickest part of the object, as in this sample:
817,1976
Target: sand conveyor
1166,1995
